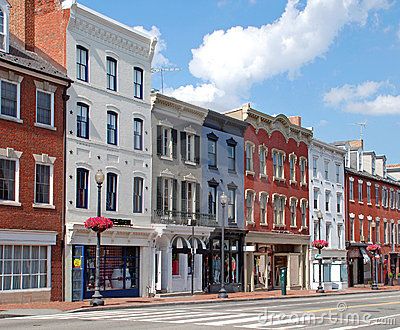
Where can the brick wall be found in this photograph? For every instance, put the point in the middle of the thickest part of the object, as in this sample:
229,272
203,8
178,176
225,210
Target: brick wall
31,140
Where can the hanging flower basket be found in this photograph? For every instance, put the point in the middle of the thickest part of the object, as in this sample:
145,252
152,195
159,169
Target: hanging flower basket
374,248
319,244
98,224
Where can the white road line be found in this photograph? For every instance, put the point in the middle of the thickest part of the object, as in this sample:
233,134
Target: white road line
217,317
228,322
174,317
155,316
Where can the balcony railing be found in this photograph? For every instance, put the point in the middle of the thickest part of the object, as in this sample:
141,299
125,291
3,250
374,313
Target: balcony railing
184,218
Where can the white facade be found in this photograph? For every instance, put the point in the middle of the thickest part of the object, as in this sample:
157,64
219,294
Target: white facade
326,188
101,38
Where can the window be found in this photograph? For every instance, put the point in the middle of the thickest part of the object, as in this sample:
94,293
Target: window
376,195
1,21
138,83
339,203
249,206
314,169
279,210
82,188
249,157
231,157
137,195
293,204
351,190
43,184
189,193
361,222
378,231
398,233
384,197
316,230
292,165
190,147
9,99
138,134
369,233
360,191
277,158
303,213
166,196
398,201
326,170
327,201
212,200
392,199
8,177
316,199
212,153
24,267
82,63
328,233
263,208
337,173
368,192
386,233
111,74
231,204
112,131
340,233
352,238
303,176
111,201
44,108
263,156
83,121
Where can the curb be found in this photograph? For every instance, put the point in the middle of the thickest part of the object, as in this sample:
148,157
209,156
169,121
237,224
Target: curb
203,302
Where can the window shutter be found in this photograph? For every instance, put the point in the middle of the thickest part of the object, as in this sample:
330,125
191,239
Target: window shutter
174,194
159,141
197,197
159,193
183,145
174,134
183,197
197,149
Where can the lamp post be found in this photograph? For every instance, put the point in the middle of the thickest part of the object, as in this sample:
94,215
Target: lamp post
222,292
192,222
374,285
97,298
320,288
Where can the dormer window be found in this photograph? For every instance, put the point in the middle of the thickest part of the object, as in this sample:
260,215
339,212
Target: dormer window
4,14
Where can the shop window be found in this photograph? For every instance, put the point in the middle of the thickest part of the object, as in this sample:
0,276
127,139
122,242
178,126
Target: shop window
175,264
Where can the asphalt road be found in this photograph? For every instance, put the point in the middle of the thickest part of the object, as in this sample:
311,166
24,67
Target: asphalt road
379,310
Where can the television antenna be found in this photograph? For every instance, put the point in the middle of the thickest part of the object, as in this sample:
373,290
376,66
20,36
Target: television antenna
362,125
161,71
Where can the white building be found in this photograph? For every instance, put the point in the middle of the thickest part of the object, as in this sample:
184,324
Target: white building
108,129
326,176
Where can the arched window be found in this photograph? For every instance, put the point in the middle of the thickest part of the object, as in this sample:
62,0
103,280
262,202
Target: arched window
1,21
111,73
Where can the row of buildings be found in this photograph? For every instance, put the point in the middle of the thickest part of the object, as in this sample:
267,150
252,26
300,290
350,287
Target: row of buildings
76,98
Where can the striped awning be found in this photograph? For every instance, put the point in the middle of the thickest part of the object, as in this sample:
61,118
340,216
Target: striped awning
198,243
179,242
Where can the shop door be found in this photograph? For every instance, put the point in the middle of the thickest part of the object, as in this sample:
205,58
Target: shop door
279,262
262,271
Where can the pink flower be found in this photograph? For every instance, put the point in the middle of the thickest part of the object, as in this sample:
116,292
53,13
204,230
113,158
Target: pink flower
98,224
320,244
375,248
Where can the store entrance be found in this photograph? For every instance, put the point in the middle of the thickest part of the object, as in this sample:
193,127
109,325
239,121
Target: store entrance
262,271
279,262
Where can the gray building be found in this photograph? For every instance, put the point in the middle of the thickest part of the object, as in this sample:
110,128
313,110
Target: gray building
176,195
222,164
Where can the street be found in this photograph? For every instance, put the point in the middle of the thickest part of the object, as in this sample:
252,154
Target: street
380,310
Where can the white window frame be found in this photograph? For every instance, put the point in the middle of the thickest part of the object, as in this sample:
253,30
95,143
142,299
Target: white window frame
247,192
249,147
52,108
18,117
303,207
339,203
326,170
168,147
292,175
190,155
316,193
264,198
303,171
351,189
48,161
11,154
263,160
338,168
293,201
315,167
280,211
278,169
327,201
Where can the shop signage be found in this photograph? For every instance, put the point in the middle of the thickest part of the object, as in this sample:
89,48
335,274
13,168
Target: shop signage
122,222
77,263
249,248
318,256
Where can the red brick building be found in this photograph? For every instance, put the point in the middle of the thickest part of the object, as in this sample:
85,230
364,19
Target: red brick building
373,206
276,199
32,121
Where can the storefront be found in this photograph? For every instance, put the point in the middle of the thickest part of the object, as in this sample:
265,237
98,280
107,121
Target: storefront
126,262
266,253
359,264
233,263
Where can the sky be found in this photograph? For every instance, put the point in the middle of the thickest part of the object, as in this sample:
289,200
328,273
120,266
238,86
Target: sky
336,63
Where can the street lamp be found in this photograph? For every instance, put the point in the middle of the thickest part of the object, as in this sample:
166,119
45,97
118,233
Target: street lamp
97,298
320,288
374,285
222,292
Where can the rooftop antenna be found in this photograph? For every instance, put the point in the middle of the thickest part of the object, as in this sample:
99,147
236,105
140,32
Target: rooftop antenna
161,71
362,125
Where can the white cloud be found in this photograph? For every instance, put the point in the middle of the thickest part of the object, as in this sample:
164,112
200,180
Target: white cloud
231,62
369,98
323,123
159,60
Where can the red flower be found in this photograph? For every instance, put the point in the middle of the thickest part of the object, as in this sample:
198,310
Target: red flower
320,243
98,224
375,248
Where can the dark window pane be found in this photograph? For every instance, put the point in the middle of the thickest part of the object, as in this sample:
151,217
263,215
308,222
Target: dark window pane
42,184
138,83
43,111
137,134
8,99
137,195
81,63
111,74
82,176
83,121
111,203
7,179
111,128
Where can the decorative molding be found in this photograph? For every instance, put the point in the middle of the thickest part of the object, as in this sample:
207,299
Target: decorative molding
10,153
212,136
11,76
45,86
231,142
167,174
44,159
189,177
165,123
213,183
189,129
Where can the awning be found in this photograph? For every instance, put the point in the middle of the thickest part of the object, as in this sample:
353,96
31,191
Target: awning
198,243
179,242
365,256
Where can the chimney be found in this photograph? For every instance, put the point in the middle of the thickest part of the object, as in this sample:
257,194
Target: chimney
22,22
295,120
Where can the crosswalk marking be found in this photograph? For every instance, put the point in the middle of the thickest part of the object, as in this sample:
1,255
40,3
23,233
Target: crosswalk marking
220,317
229,322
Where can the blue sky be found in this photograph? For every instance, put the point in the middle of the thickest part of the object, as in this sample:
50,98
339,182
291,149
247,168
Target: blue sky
335,63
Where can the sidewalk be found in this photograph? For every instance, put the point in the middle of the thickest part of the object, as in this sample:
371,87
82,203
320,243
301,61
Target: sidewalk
7,310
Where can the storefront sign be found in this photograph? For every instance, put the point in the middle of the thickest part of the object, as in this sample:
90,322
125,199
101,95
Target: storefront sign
122,222
77,263
249,248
